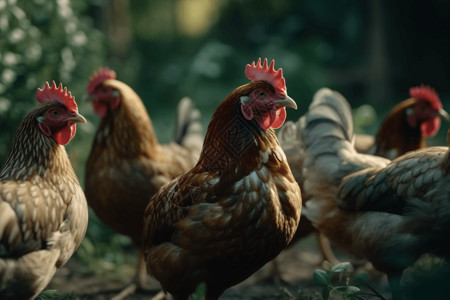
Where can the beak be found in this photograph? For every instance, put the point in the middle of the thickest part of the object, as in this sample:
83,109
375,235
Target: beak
88,97
286,102
77,119
443,114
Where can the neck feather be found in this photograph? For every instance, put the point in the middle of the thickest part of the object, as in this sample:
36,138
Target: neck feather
128,129
232,142
395,133
34,154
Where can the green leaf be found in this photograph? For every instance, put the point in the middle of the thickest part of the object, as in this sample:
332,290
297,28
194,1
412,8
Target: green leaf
54,295
326,265
326,292
352,289
48,295
321,277
200,291
341,267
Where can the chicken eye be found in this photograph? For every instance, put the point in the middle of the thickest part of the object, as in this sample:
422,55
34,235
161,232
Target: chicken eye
261,94
55,113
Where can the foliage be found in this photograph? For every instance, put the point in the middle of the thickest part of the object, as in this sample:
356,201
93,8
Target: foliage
338,282
427,279
55,295
103,251
200,292
42,41
364,118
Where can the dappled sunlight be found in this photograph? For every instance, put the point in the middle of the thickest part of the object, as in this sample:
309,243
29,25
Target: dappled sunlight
195,17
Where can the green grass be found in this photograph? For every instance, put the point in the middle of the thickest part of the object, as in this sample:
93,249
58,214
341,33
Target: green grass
55,295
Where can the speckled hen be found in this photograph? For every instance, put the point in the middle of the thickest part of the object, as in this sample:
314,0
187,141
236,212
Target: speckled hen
43,210
238,207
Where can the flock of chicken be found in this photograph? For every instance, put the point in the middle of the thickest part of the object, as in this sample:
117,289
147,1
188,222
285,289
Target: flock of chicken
214,210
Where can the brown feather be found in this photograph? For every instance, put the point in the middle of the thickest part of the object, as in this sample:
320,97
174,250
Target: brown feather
395,133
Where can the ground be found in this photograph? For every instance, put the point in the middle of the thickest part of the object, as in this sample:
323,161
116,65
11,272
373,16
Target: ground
297,265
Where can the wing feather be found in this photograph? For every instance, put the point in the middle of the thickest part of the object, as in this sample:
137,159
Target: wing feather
25,228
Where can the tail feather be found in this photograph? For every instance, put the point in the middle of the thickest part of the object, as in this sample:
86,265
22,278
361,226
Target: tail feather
328,138
329,115
331,106
329,119
189,129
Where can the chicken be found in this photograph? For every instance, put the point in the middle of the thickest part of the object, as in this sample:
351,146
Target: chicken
404,129
127,165
238,207
43,210
389,212
407,125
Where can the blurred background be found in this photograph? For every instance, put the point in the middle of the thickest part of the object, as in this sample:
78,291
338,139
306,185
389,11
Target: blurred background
371,51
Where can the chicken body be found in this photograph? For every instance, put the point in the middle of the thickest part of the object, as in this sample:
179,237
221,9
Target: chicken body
390,212
235,210
403,129
127,165
43,210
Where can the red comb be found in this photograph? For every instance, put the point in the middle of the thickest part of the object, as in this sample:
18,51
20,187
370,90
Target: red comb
58,94
98,77
256,72
427,93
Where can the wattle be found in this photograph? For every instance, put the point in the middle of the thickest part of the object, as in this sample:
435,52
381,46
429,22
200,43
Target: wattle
279,118
65,134
431,127
274,119
100,109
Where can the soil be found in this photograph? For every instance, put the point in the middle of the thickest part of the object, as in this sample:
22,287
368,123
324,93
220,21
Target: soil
296,265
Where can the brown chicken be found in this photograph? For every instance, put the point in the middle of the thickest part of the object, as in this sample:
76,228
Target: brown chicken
407,125
404,129
389,212
238,207
43,211
127,165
